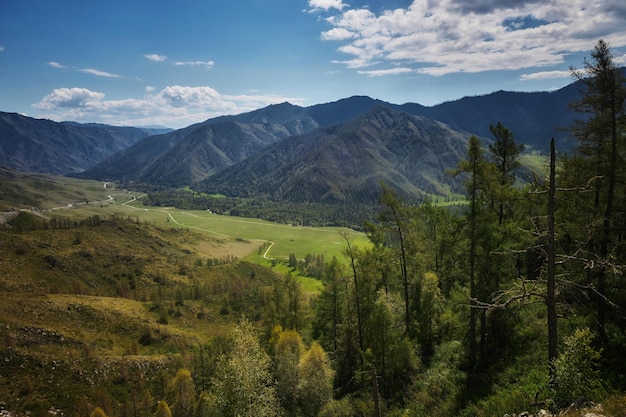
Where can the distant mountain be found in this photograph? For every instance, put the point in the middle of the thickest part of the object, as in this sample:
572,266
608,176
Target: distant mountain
292,152
44,146
534,118
347,162
192,154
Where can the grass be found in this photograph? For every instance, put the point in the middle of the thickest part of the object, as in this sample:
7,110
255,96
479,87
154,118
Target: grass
107,308
26,190
535,161
245,233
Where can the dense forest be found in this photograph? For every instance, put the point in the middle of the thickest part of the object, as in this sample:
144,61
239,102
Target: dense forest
511,302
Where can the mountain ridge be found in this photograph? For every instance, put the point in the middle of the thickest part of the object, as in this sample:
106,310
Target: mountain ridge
45,146
200,153
349,161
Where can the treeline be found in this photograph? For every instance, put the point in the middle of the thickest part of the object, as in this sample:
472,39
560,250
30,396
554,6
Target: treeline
285,212
234,376
26,221
311,265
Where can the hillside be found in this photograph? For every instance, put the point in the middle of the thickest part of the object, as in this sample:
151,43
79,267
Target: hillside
347,162
99,310
208,150
44,146
191,154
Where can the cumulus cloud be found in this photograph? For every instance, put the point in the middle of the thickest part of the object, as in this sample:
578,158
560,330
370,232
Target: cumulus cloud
337,34
69,98
175,106
452,36
155,57
326,4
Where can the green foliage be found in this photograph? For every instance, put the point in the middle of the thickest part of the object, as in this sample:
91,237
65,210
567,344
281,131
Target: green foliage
163,410
315,388
519,393
98,412
576,373
285,212
182,394
243,382
287,352
337,408
438,389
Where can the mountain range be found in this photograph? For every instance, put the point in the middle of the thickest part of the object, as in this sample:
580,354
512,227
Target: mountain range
44,146
327,152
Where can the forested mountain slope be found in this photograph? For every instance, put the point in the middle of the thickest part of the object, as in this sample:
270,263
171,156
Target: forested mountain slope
348,161
44,146
191,154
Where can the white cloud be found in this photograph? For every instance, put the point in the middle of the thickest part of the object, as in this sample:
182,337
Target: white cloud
620,60
383,72
542,75
1,48
338,34
326,4
452,36
91,71
207,64
69,98
175,106
99,73
155,57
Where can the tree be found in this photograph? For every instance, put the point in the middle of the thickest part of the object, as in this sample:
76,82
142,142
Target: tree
602,147
351,254
476,165
288,350
329,306
183,394
394,213
504,154
98,412
243,384
163,410
315,387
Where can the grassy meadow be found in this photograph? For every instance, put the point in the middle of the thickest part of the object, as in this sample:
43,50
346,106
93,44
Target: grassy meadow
250,238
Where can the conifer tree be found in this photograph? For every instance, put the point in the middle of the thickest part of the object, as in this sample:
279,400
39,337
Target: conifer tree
602,154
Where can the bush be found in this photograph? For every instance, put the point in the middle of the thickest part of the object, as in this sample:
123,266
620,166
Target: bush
575,370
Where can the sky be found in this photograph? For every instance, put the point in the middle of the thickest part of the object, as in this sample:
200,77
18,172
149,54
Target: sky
178,62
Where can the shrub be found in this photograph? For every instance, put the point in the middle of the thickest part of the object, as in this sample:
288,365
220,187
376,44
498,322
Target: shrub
575,369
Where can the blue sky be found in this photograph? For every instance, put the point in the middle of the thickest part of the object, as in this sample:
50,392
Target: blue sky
174,63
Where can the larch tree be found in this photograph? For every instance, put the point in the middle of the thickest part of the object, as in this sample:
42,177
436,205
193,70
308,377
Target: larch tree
602,149
504,154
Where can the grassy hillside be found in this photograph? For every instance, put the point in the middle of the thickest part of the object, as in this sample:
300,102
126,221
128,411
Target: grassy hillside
103,299
91,302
